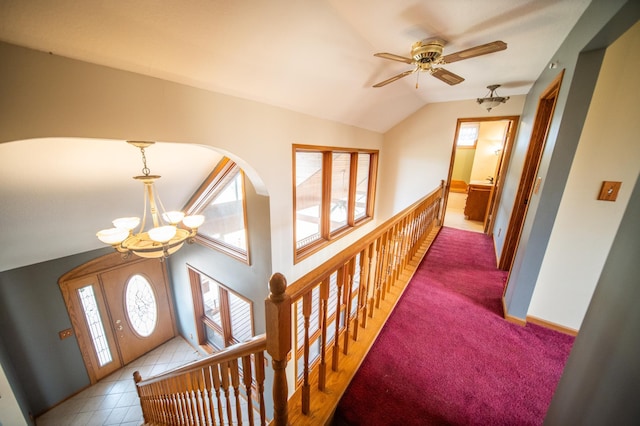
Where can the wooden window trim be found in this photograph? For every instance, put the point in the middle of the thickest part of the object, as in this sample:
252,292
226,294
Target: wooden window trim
217,180
202,321
326,235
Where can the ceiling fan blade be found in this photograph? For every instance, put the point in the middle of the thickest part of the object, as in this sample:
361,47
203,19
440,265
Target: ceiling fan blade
394,57
446,76
494,46
394,78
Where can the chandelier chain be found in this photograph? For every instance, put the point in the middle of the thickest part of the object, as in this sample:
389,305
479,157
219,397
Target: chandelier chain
145,169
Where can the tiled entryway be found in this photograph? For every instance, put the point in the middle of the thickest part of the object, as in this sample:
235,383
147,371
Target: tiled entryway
113,400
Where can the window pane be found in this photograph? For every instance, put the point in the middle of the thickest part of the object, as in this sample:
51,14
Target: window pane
214,337
241,319
211,299
467,135
340,172
141,305
94,321
362,185
308,197
225,215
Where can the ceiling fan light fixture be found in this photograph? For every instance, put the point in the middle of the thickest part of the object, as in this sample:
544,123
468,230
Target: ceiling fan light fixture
164,238
492,100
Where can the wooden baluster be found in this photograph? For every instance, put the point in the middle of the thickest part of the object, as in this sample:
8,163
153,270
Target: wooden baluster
235,383
181,387
278,318
247,379
361,311
259,363
208,384
215,374
324,312
373,270
198,383
336,337
381,269
348,291
306,390
224,375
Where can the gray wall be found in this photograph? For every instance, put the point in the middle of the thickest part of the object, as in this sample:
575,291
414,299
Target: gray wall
43,370
601,381
601,24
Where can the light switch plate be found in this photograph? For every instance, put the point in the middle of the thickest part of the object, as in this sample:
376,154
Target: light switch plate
609,190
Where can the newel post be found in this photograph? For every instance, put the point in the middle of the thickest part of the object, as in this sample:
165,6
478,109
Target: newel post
278,316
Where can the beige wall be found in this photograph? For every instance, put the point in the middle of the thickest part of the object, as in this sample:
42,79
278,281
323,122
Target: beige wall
585,227
49,96
418,150
490,138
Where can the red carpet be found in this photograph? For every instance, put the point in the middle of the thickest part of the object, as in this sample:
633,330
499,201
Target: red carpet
447,357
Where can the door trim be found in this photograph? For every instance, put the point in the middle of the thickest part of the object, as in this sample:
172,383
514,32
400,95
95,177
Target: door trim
540,130
503,163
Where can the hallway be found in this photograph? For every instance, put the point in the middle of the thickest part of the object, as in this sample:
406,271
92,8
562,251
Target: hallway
113,400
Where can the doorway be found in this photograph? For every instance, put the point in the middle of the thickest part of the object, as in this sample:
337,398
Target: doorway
481,151
529,182
119,310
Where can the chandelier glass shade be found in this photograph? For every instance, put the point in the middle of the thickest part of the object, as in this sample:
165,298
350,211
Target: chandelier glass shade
161,240
492,100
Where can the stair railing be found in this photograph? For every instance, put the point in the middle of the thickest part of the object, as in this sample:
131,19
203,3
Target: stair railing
331,307
217,390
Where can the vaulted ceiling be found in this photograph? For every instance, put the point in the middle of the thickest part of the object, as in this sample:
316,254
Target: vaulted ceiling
314,57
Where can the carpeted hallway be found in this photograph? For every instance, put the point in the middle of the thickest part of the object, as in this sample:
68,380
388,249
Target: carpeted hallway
447,357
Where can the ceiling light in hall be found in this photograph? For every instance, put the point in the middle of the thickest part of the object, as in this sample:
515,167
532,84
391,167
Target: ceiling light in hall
164,238
492,100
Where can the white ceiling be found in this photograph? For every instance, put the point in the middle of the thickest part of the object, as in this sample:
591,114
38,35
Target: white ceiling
314,56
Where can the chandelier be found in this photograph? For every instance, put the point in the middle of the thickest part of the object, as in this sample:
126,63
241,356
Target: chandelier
165,237
492,100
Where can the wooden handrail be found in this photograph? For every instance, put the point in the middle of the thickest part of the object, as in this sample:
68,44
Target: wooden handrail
352,287
297,288
341,295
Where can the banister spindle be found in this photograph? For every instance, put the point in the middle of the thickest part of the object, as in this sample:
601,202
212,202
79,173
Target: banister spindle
306,387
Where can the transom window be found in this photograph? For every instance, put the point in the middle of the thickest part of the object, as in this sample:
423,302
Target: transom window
333,193
221,199
223,317
467,135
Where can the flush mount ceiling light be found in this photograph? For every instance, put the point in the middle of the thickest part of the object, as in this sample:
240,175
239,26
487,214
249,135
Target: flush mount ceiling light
164,238
492,99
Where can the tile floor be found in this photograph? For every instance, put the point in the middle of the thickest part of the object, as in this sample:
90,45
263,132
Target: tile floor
113,400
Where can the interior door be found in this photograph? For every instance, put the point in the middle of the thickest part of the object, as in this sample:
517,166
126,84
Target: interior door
139,306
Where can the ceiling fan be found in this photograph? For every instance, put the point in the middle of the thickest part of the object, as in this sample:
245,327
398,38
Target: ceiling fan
427,56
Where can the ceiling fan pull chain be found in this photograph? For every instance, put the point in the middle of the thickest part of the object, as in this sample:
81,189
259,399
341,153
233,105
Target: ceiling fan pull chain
417,78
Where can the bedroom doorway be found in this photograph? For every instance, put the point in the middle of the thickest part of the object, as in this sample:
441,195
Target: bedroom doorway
480,154
119,310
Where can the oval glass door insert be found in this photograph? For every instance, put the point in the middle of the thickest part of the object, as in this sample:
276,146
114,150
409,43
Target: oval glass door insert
141,305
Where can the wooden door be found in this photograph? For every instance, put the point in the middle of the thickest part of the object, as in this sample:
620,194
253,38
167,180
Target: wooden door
139,307
119,309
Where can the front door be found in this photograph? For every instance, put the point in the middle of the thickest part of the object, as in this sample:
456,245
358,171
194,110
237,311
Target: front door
119,310
139,307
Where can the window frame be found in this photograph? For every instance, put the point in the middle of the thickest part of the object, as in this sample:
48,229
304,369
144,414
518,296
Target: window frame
202,320
326,235
221,175
468,124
